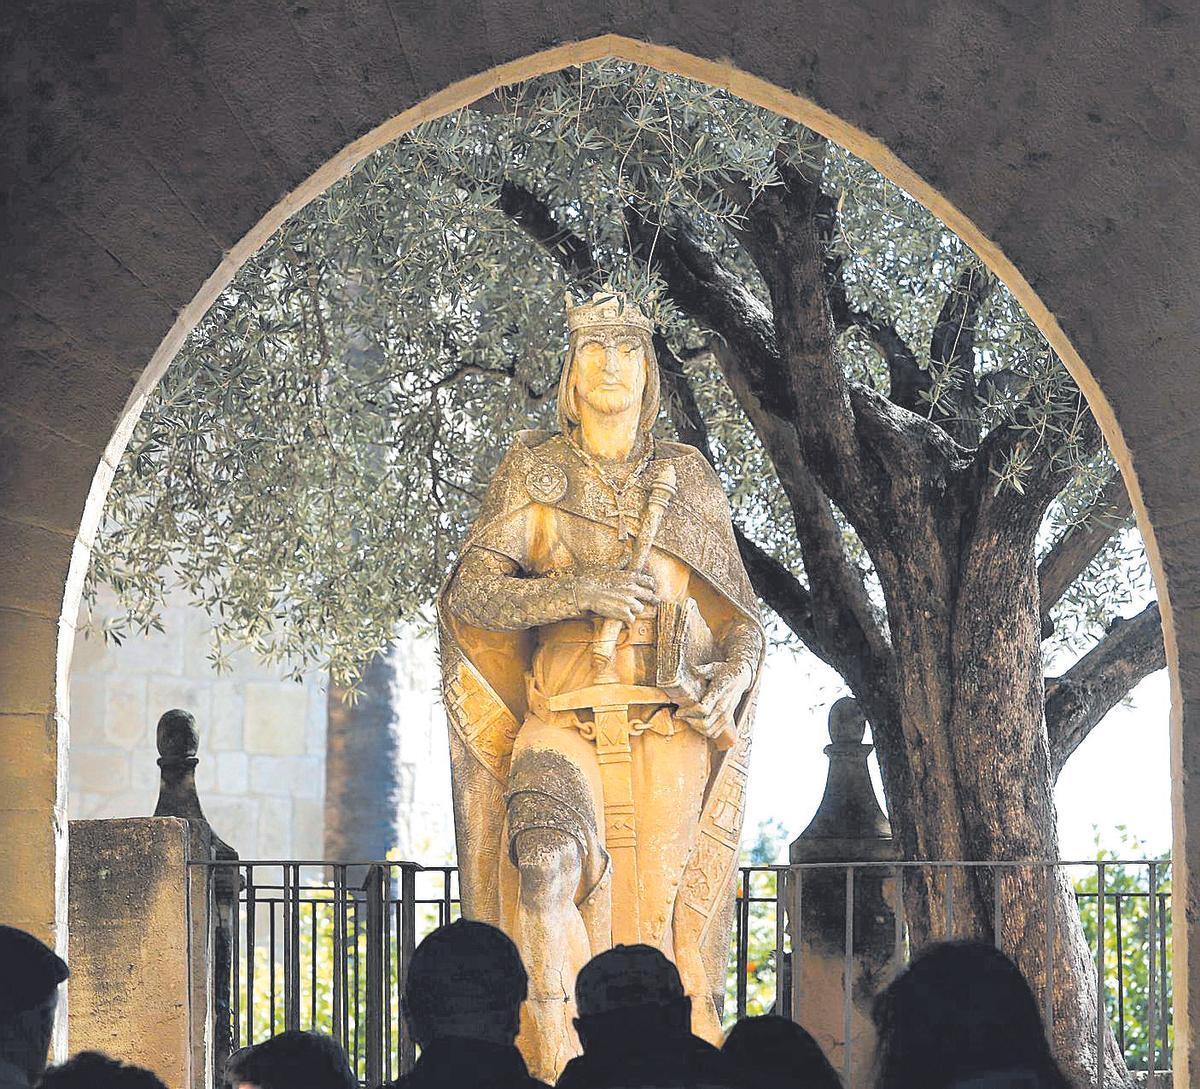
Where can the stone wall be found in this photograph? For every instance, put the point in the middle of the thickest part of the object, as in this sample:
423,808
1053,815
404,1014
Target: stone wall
261,776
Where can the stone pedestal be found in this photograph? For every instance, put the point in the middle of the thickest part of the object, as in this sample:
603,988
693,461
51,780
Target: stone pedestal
139,941
848,827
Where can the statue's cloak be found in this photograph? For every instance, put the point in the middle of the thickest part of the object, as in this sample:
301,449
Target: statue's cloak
483,680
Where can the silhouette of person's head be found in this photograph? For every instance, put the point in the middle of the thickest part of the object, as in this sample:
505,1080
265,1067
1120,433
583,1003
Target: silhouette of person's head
959,1011
32,972
291,1060
92,1070
465,980
627,994
776,1053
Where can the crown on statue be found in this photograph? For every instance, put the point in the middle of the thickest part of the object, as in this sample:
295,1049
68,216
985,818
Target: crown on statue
605,308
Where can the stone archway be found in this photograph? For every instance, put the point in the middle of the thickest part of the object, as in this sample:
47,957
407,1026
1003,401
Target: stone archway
152,150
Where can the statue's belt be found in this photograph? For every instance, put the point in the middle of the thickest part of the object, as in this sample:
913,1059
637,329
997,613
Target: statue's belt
612,729
650,709
642,632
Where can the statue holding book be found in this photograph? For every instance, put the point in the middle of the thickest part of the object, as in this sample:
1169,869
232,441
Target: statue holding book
601,649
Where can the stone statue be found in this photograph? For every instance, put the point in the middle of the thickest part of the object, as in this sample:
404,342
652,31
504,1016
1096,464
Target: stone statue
601,649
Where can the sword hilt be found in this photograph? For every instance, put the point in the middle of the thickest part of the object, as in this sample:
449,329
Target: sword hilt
663,487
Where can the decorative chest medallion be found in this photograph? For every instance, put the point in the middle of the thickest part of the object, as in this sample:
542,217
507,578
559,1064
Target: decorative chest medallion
546,482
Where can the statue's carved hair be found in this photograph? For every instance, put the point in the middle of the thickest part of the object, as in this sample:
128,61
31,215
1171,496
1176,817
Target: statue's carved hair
568,410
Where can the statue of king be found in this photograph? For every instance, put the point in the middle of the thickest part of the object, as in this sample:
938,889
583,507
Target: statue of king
601,649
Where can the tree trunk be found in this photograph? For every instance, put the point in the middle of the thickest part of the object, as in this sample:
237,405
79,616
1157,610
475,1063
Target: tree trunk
362,785
967,767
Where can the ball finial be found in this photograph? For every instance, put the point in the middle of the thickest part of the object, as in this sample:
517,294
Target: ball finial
177,736
847,723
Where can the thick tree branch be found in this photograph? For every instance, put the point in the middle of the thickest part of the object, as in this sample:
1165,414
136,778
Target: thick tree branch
680,399
907,379
1024,439
836,619
901,450
1074,550
952,346
782,592
532,214
1081,697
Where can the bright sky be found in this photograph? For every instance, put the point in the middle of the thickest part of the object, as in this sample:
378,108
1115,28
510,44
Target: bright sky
1119,775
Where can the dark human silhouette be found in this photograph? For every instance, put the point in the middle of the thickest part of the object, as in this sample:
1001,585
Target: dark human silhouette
91,1070
635,1027
462,1000
776,1053
30,973
291,1060
961,1016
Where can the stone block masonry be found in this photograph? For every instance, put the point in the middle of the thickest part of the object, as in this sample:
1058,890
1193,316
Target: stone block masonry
261,776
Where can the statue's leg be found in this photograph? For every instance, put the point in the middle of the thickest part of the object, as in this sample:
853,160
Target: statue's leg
553,944
670,775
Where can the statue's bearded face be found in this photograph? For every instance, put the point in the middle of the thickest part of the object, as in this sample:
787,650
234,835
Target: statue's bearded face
610,370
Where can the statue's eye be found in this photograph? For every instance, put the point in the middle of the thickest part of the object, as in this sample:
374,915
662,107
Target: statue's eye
629,347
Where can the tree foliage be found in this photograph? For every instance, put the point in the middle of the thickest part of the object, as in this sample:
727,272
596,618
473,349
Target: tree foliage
309,463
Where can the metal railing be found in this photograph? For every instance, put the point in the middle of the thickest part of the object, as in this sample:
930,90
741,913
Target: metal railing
326,945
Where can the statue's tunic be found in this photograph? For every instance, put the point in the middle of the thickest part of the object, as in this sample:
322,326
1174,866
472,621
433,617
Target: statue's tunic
519,765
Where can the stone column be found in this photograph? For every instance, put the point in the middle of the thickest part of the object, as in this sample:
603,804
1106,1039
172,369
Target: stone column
849,826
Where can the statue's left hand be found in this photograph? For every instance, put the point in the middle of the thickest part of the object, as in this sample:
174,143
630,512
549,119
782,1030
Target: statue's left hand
727,684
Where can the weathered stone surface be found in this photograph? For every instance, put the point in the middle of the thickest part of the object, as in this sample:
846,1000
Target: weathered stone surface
233,772
275,827
132,931
288,776
127,723
308,828
108,766
27,663
274,719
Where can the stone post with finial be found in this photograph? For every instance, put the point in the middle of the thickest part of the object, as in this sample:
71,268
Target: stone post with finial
178,742
849,826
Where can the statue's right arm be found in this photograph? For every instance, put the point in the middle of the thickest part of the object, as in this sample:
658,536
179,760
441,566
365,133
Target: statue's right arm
489,592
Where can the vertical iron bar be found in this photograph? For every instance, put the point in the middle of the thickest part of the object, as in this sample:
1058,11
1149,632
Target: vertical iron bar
796,888
848,983
251,919
375,924
271,935
1049,990
446,896
743,945
1100,1011
387,981
998,906
780,894
1120,975
408,908
356,1052
1151,1027
1165,1010
339,999
285,921
948,893
312,967
235,999
401,974
293,996
343,966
